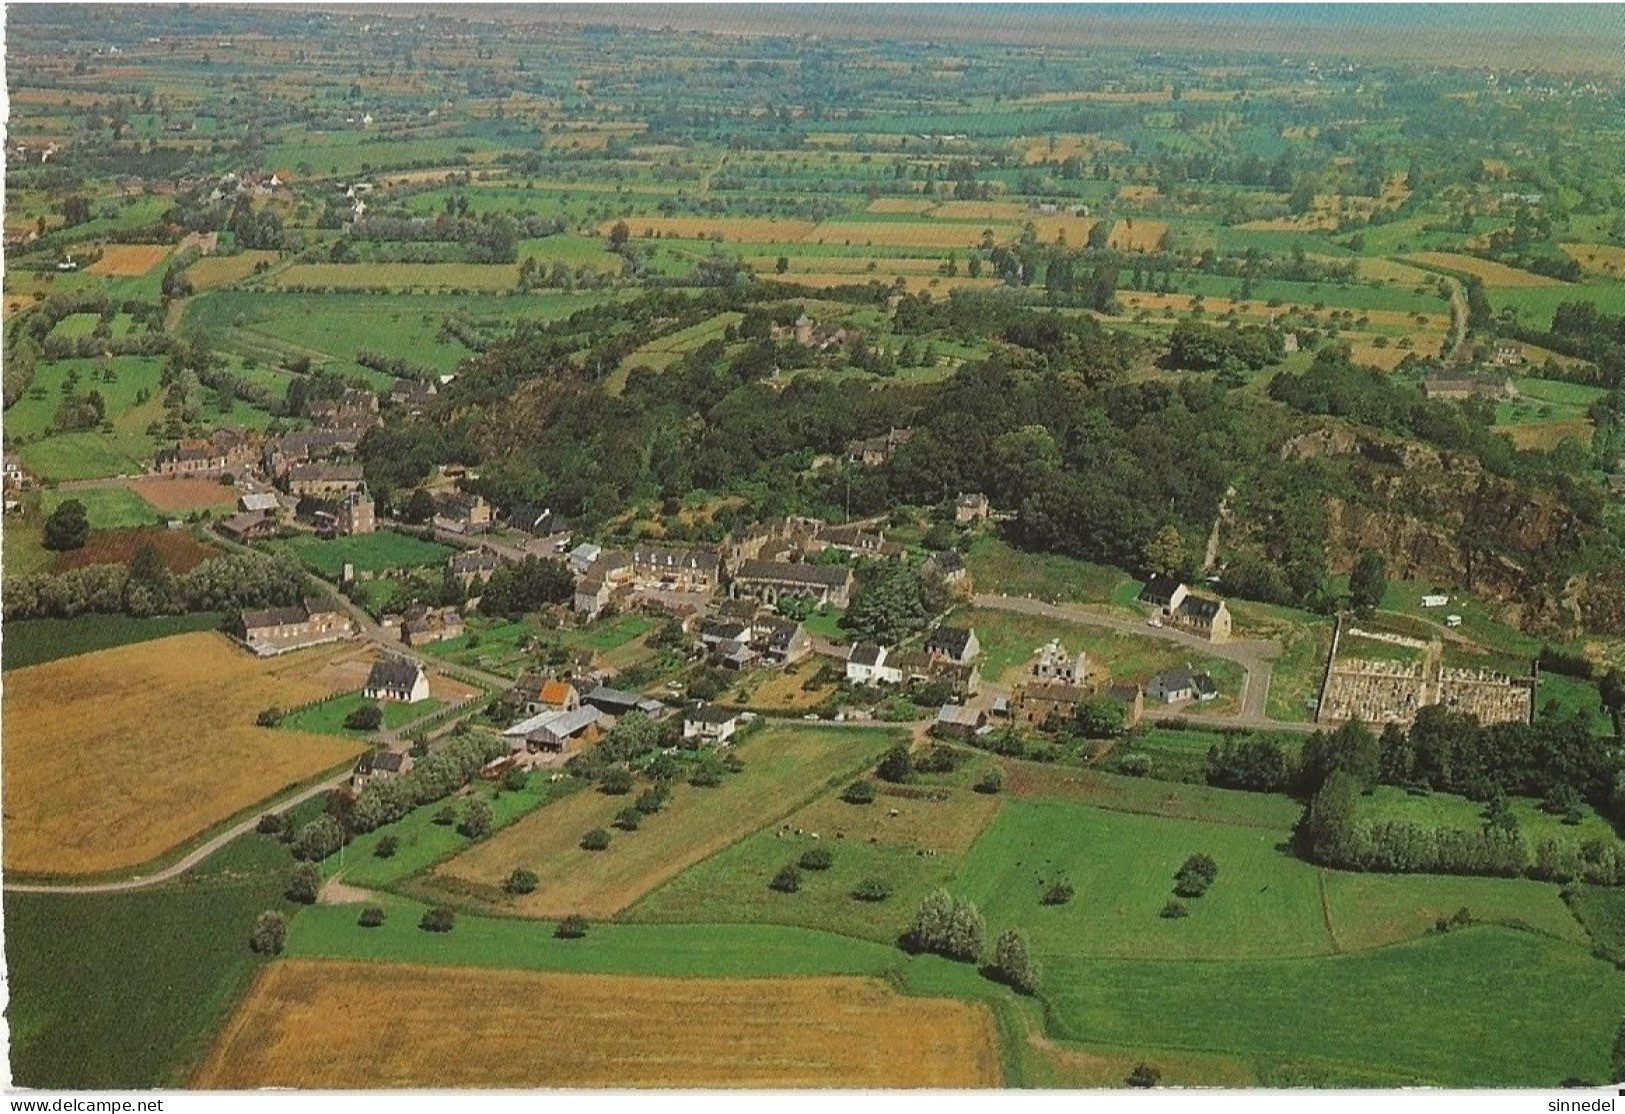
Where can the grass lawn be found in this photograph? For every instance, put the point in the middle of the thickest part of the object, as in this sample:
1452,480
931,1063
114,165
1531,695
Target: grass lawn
999,568
1445,810
1412,1013
377,552
1570,695
327,718
1478,622
127,990
498,648
783,767
827,624
32,641
1601,909
23,550
107,508
89,454
608,634
1375,910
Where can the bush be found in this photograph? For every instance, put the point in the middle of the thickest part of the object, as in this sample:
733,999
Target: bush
438,919
1144,1075
871,889
940,759
616,781
1013,965
1174,910
628,819
896,765
651,801
786,881
371,917
515,779
595,840
859,793
304,883
366,717
270,717
707,776
521,881
386,847
318,839
991,781
818,858
270,933
1135,765
1057,894
476,819
572,927
446,817
272,824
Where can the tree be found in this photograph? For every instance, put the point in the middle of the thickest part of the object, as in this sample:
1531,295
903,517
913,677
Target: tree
1166,552
385,848
270,933
929,929
419,507
617,781
1144,1075
304,883
318,839
1326,828
67,527
897,765
787,880
75,210
618,235
476,819
967,933
816,858
438,919
628,819
367,716
1013,965
860,792
521,881
1619,1053
573,927
371,916
595,840
871,889
1369,581
991,781
1101,717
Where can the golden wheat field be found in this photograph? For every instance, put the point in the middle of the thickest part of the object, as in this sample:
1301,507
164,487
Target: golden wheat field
1135,234
115,757
900,205
124,260
1603,259
750,230
1493,274
335,1024
219,270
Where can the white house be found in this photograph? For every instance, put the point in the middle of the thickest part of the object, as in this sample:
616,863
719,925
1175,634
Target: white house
1435,600
710,723
396,679
866,665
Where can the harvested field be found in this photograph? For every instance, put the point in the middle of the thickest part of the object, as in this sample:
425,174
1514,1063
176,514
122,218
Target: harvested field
1493,274
906,234
1137,235
983,210
183,494
911,282
1138,195
901,205
337,1024
114,758
221,270
948,826
784,766
1548,435
122,260
399,276
760,230
179,551
1602,259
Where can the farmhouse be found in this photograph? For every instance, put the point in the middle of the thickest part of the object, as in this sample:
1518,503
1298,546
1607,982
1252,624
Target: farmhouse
396,679
535,692
948,564
684,569
474,565
1035,703
1163,592
423,625
811,334
555,734
786,643
277,630
955,721
616,702
1130,698
1208,618
225,450
771,580
866,665
462,513
1055,664
972,507
856,541
1459,387
354,409
411,395
874,451
379,765
248,526
324,480
955,644
260,501
1181,684
710,723
305,446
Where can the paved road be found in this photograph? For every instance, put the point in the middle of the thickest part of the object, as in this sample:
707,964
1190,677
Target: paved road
1255,656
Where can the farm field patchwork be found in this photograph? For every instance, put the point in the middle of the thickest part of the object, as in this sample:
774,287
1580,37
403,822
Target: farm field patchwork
783,766
134,778
311,1023
33,641
179,550
369,553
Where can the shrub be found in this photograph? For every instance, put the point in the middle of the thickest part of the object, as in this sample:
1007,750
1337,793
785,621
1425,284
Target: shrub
371,917
270,933
270,717
859,793
366,717
897,765
940,759
1135,765
304,883
651,801
871,889
818,858
1144,1075
1058,893
1012,963
786,881
438,919
446,817
272,824
476,819
318,839
521,881
707,776
595,840
991,781
386,847
515,779
572,927
628,819
616,781
1174,910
